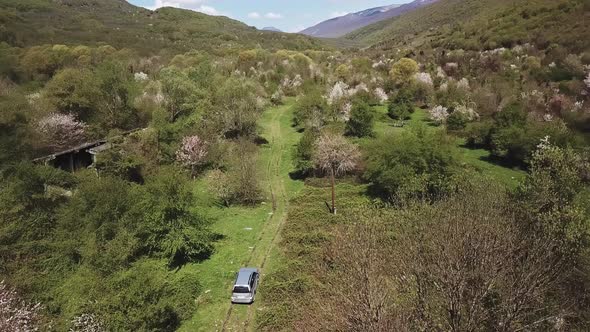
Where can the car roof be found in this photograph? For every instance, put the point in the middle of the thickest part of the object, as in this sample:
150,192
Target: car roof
244,275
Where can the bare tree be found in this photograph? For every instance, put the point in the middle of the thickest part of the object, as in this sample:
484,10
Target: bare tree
15,314
337,156
87,323
472,268
358,282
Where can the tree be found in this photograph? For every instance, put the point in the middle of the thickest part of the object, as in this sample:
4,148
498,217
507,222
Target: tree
116,86
401,107
403,71
74,91
172,229
457,120
469,266
342,72
181,95
551,196
335,155
61,131
419,163
361,120
192,152
310,110
237,108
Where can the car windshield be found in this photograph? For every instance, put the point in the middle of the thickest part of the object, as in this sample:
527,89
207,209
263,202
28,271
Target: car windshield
241,289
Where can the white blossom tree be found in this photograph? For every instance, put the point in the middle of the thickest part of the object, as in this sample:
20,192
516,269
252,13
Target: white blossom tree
463,84
439,114
192,153
335,155
61,131
424,78
381,95
338,91
16,315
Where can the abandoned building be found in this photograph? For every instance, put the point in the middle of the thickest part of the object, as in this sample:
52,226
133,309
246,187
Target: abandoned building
76,158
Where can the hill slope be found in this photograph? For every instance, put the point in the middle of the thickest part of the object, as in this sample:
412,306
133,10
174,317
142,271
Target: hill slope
120,24
339,26
485,24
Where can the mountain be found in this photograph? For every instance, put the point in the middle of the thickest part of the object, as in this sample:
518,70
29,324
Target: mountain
342,25
117,23
483,24
271,29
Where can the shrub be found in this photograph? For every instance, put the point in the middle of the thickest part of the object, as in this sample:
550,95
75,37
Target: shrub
172,230
401,107
418,163
361,120
303,153
403,71
148,298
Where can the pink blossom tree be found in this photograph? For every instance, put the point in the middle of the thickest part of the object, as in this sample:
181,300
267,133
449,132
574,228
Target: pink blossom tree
16,315
192,153
61,131
335,155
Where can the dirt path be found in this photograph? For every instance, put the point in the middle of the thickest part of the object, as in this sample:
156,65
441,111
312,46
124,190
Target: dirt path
279,133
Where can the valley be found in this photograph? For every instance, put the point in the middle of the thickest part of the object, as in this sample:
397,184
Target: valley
414,166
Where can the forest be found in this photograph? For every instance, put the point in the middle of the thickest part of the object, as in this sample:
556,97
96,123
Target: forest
438,180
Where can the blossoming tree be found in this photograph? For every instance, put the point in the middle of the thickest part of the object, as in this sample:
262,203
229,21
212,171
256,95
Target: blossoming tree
192,153
335,155
61,131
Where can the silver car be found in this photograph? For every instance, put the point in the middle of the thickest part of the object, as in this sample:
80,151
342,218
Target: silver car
245,286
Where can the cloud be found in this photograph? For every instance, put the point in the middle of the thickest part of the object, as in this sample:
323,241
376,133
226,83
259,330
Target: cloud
254,15
208,10
273,16
269,15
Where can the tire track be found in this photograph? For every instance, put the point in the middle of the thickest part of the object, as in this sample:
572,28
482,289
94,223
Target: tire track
279,199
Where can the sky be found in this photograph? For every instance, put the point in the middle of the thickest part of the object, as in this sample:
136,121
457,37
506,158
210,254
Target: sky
287,15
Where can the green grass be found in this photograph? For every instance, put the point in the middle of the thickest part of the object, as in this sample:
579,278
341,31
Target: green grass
250,234
476,158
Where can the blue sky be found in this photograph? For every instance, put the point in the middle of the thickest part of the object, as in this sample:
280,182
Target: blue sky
287,15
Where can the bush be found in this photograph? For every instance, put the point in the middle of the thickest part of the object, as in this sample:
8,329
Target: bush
239,184
147,297
310,111
361,120
419,163
457,121
303,154
172,230
478,134
401,107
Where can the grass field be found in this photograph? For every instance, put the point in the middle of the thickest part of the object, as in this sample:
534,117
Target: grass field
249,234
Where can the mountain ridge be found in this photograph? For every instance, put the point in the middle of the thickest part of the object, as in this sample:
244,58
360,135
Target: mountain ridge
482,24
340,26
122,25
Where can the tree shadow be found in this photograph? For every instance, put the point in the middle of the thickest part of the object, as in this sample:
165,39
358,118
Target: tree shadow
495,160
299,175
180,260
259,140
